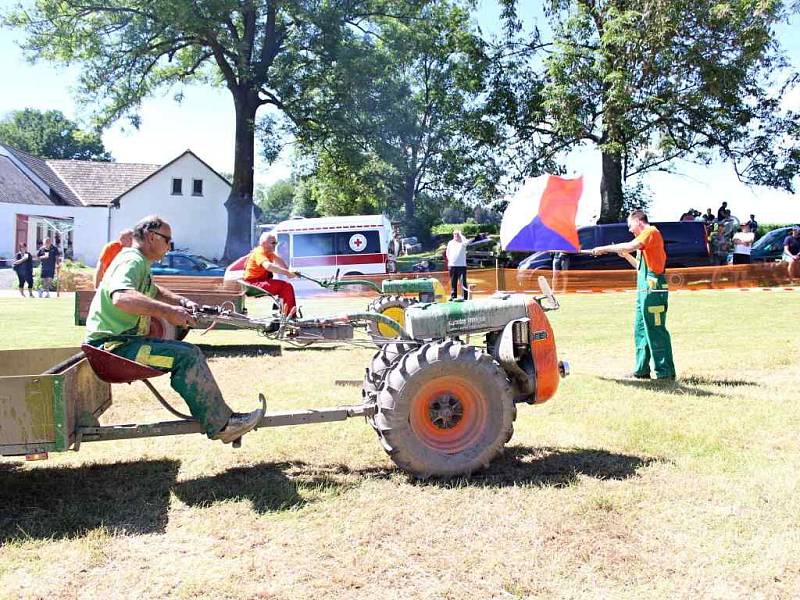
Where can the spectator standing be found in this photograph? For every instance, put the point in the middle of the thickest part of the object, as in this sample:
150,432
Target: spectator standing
721,211
708,217
23,266
791,246
688,215
720,245
456,254
49,257
753,225
742,244
109,253
729,223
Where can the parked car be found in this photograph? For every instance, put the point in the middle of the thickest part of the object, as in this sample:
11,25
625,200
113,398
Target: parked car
481,253
685,242
182,263
410,245
769,248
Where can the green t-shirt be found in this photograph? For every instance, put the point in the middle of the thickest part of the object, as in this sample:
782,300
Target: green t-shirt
129,270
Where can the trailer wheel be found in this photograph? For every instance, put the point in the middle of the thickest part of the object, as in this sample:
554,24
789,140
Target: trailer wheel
445,409
393,307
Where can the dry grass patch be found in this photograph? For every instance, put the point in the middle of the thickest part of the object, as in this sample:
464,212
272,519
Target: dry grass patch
611,490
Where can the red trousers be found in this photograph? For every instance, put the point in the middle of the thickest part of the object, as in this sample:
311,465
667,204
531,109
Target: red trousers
281,289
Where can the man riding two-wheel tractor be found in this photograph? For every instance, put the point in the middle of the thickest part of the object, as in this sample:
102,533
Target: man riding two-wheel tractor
394,297
442,395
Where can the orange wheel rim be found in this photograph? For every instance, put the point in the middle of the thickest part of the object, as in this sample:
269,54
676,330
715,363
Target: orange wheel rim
448,414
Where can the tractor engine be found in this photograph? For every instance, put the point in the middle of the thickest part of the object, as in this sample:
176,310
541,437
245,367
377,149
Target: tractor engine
446,396
517,335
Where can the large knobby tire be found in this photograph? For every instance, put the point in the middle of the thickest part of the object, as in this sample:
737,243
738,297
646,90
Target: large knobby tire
445,409
383,360
393,307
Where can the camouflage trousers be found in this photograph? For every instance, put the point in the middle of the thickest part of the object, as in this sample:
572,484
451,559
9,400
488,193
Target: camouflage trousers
190,375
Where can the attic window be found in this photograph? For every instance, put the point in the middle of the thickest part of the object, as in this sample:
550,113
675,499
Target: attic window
177,186
197,187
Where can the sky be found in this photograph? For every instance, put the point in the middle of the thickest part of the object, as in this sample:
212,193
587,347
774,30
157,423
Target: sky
204,123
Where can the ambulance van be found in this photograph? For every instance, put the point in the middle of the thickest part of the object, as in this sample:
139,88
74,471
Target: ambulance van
319,247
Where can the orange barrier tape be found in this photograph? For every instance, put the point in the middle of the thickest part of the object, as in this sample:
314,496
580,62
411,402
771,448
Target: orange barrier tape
487,281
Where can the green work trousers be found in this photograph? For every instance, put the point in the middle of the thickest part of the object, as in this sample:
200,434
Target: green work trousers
650,325
190,375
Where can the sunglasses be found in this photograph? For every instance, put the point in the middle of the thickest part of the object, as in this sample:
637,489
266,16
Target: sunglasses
166,238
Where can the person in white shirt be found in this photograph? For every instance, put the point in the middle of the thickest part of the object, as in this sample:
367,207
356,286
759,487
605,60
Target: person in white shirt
457,262
742,245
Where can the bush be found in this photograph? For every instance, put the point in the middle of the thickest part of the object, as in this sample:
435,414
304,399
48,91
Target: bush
468,229
70,276
765,228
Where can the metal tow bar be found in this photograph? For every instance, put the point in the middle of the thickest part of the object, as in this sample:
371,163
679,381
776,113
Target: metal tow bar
275,419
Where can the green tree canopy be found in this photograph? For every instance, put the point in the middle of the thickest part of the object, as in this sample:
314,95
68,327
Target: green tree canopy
276,201
49,134
653,82
288,55
418,133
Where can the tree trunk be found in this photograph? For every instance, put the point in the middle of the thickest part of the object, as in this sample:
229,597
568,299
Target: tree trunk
408,199
240,201
611,189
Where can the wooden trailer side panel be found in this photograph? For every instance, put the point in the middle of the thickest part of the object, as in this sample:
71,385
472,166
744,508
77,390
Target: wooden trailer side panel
40,412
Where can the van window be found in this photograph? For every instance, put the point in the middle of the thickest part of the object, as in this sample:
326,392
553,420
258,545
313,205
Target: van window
313,244
282,248
358,242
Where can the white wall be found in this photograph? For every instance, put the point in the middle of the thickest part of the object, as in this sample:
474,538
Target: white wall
89,234
199,223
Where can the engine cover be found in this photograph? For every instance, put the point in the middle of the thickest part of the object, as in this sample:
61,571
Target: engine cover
433,321
409,286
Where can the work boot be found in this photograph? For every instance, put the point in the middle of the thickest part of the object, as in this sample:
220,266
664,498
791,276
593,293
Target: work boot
238,425
635,375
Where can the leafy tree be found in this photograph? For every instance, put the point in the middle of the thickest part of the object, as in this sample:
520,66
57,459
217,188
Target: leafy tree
418,134
49,134
276,201
649,83
276,53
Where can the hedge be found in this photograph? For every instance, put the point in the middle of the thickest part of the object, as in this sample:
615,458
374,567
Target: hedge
468,229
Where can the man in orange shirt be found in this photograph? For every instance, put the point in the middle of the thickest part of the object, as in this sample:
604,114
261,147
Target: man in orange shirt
262,262
650,326
109,253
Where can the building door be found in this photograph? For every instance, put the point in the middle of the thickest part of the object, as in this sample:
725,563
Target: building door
21,232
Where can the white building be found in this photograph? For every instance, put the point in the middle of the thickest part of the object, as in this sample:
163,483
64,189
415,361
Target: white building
84,204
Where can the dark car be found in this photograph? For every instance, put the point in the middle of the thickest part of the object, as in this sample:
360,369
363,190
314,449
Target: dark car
182,263
685,242
770,247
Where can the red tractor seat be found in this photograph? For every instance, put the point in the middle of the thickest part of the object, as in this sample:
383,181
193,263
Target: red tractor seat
115,369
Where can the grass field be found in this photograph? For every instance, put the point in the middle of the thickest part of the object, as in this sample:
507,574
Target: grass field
613,489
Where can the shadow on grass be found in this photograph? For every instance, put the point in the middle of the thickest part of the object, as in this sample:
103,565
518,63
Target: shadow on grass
679,387
314,347
557,467
700,380
234,350
58,502
268,487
